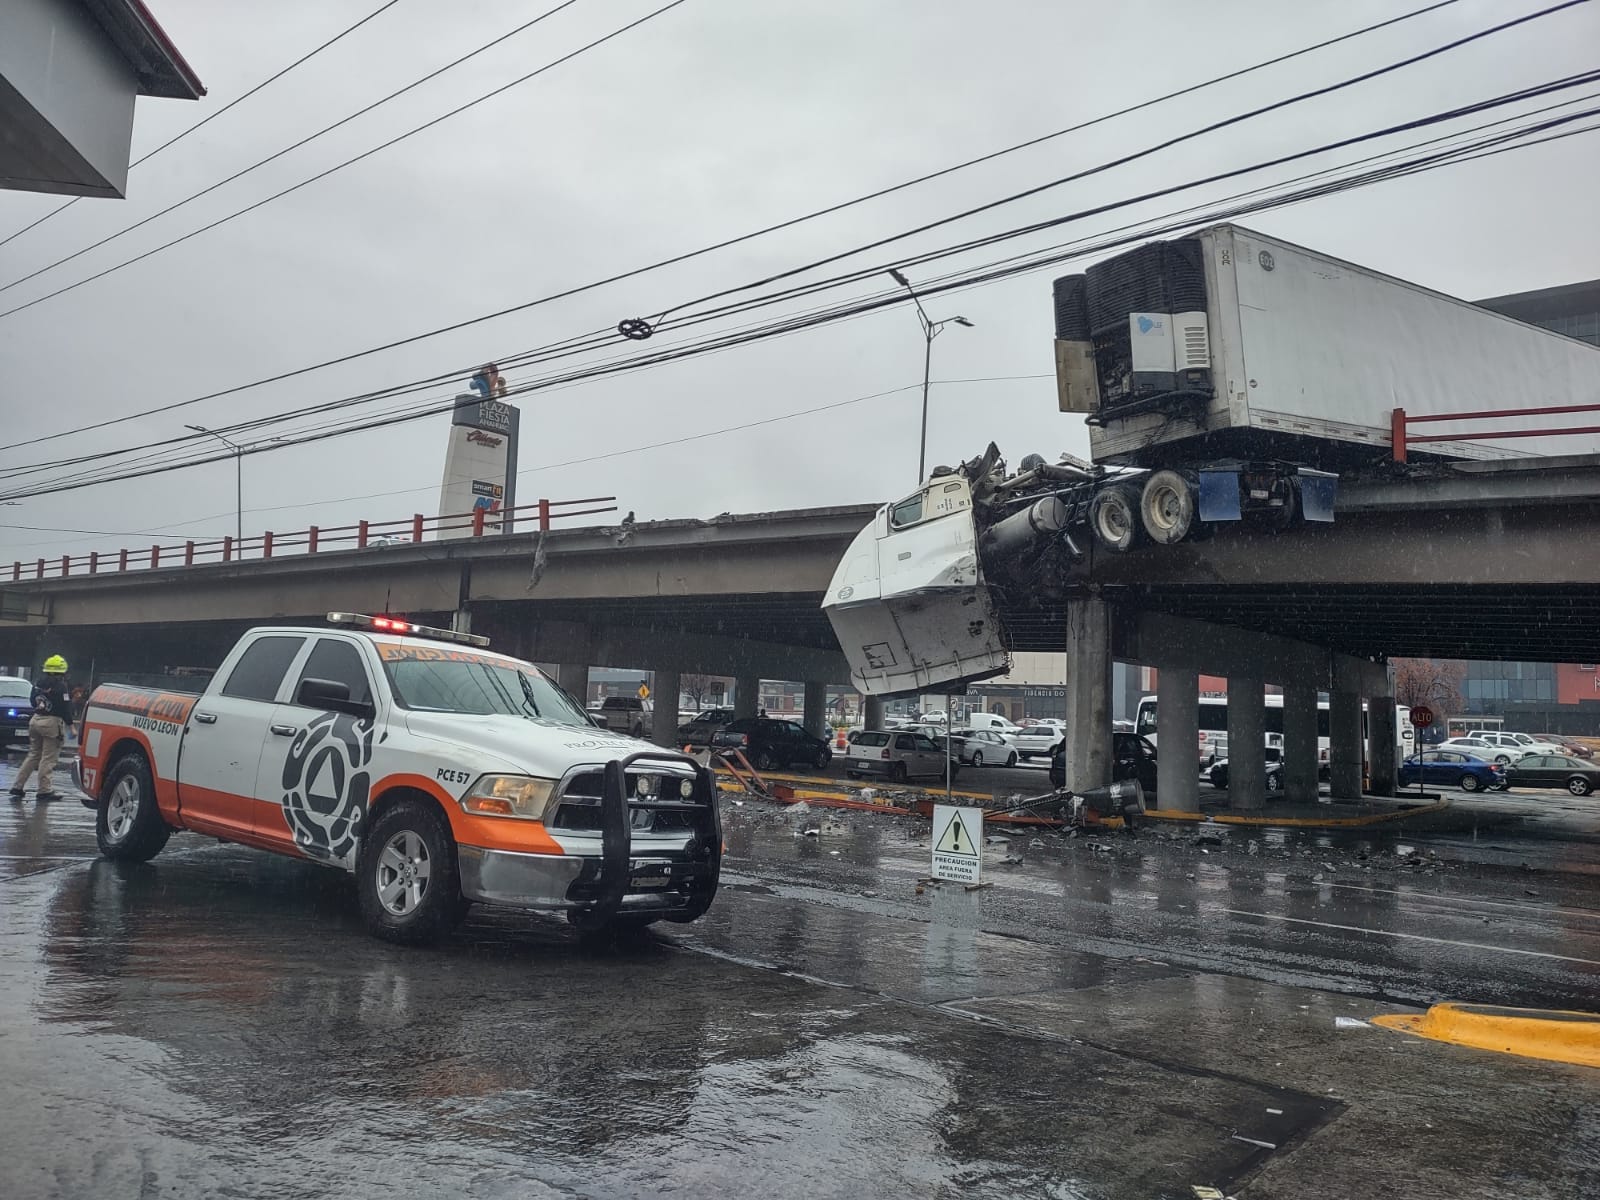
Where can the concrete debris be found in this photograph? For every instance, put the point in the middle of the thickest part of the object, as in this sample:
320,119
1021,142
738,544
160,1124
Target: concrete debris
1404,851
995,840
834,853
1209,833
1011,860
869,895
1202,1192
870,795
813,831
1038,843
1349,1023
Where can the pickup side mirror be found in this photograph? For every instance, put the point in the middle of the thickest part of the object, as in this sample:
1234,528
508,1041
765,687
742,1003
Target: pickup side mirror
330,695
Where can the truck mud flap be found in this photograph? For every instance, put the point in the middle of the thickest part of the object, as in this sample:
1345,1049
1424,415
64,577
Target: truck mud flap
616,825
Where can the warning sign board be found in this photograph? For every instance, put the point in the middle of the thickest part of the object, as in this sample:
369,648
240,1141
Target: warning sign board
957,843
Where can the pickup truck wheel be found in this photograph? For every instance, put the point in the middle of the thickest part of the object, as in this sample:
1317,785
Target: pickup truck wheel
1167,507
128,826
1114,517
406,875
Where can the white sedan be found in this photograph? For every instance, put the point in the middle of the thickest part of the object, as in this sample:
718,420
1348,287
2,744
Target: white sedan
1036,741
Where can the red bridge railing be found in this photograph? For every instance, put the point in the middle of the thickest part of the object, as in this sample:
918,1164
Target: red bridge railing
1400,423
316,539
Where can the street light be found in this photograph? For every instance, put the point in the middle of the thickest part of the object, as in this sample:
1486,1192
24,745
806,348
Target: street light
238,479
930,330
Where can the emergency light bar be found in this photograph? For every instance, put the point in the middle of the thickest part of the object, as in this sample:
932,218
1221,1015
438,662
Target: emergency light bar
402,626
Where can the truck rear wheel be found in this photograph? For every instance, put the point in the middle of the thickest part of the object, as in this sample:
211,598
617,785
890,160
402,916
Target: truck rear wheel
1114,517
128,826
406,875
1167,507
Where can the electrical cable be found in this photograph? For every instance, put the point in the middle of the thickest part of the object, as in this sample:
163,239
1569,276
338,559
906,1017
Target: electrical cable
223,220
309,138
240,99
688,255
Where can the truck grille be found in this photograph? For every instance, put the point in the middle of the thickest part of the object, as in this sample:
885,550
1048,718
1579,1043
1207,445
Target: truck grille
666,803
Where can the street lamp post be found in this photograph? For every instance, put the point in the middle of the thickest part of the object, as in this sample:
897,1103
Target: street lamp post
930,330
238,480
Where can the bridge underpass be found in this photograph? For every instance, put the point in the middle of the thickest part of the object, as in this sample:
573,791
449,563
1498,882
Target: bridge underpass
1480,560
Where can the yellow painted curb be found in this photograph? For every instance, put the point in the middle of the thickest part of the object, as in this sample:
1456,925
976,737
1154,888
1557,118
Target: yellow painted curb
1161,814
1555,1035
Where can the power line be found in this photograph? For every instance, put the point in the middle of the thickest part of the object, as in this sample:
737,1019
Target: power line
745,237
353,160
172,141
240,174
1100,168
857,308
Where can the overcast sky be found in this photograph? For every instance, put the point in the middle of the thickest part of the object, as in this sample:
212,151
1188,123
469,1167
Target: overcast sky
718,117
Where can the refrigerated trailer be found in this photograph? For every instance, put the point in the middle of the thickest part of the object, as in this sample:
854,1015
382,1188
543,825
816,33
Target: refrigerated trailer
1225,376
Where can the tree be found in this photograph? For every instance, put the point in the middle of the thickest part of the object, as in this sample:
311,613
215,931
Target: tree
1431,681
698,687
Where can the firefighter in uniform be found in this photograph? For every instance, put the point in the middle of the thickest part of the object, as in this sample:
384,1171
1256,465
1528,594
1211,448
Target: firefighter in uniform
47,730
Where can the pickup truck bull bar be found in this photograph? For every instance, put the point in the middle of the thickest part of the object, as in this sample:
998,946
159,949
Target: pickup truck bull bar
701,862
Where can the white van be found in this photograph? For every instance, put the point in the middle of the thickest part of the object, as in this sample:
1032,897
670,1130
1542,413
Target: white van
994,721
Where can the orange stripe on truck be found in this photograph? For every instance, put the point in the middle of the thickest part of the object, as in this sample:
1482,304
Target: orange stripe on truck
491,833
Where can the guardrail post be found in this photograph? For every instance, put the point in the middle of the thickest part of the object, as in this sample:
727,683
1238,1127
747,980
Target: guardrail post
361,536
311,540
416,528
155,557
94,562
544,515
39,571
122,560
66,565
188,554
1397,433
227,548
266,544
477,522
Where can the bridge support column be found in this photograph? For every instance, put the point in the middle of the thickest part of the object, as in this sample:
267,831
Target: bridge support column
574,680
1300,745
1247,742
1382,734
746,696
816,716
1344,745
664,724
1178,740
872,712
1088,730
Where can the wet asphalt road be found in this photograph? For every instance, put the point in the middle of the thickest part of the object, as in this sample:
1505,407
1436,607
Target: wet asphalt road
1114,1022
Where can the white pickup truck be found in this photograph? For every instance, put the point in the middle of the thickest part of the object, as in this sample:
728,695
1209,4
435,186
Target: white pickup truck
438,773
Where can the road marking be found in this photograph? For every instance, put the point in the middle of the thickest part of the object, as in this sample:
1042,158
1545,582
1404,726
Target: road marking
1415,937
1523,906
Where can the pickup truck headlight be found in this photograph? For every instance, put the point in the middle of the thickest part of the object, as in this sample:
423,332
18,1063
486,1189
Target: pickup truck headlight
523,796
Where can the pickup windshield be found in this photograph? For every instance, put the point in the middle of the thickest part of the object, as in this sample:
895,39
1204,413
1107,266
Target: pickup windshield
480,687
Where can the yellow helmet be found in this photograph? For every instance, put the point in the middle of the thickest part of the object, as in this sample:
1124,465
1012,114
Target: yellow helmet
55,665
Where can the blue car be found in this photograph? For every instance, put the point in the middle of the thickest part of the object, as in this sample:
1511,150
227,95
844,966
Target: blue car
1453,768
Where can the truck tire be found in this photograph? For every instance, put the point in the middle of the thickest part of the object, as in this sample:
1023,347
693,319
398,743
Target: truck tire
1114,517
128,826
407,878
1167,507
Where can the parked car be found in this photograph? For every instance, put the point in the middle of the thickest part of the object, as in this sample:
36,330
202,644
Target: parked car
699,730
625,714
1219,776
1568,746
1467,771
899,755
1514,741
994,721
1133,757
16,709
1037,741
1554,770
1482,748
980,747
771,744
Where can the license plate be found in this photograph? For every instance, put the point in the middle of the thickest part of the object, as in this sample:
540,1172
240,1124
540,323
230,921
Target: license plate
650,878
863,766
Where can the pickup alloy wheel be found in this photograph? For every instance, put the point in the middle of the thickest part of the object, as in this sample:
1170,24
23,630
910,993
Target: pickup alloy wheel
406,875
127,825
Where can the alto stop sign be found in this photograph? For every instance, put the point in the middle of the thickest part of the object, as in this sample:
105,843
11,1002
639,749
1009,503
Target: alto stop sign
1422,716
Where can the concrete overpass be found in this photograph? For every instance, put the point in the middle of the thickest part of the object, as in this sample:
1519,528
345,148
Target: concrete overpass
1476,560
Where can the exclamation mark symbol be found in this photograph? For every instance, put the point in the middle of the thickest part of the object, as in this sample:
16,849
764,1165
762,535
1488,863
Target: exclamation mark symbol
955,836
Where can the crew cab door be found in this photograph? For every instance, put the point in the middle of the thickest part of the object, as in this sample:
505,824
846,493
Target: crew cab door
315,774
221,749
